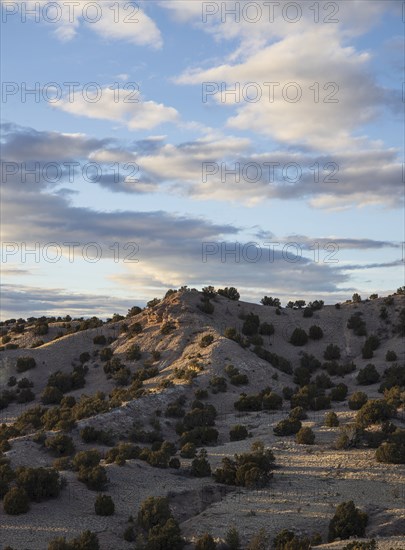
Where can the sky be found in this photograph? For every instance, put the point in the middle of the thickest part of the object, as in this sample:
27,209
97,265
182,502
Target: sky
154,144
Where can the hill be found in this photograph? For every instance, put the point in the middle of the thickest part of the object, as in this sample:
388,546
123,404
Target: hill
189,368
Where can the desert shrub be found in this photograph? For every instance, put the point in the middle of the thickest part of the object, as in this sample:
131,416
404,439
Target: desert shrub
298,337
298,413
25,395
84,357
277,361
86,541
269,301
361,545
394,396
287,426
305,436
288,540
154,511
16,501
323,381
251,325
370,345
89,434
239,379
174,462
175,410
104,505
252,469
201,393
357,324
218,384
205,542
105,354
206,340
39,483
133,353
331,420
393,450
349,436
339,392
393,376
302,376
63,463
266,329
168,327
94,478
259,541
374,411
368,375
200,467
100,340
238,433
165,537
391,356
206,306
60,445
231,293
232,539
309,362
272,401
25,363
348,521
315,332
357,400
86,459
308,313
249,402
188,450
202,435
331,352
135,328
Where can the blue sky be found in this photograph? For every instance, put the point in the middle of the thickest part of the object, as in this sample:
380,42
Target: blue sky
168,56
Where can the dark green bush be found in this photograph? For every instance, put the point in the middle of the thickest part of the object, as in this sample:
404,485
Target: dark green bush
368,375
266,329
287,426
100,340
188,450
206,340
133,353
104,505
288,540
298,337
60,445
315,332
238,433
374,411
16,501
200,467
347,522
250,470
357,400
154,511
39,483
391,356
25,363
331,420
205,542
94,478
331,352
357,324
305,436
339,393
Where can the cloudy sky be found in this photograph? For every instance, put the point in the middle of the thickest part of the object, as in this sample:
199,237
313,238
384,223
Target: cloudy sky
150,145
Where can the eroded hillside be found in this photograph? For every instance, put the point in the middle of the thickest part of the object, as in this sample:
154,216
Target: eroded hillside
187,370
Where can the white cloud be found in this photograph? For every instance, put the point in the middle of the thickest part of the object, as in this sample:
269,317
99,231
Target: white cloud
111,19
125,106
